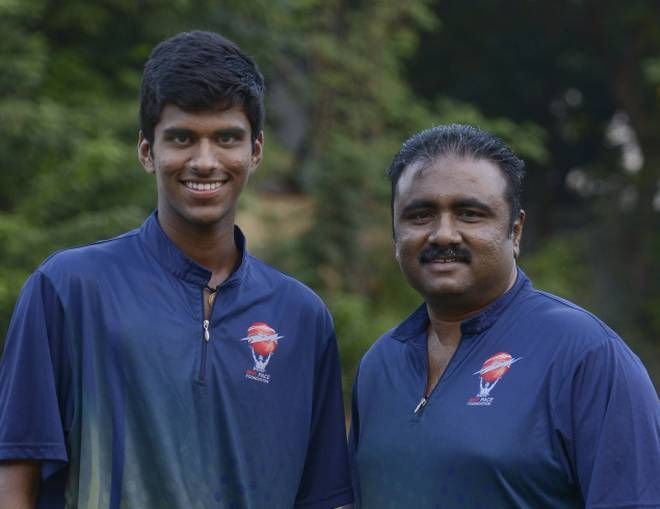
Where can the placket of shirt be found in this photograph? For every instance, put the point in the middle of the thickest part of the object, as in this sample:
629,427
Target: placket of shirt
207,298
207,322
465,346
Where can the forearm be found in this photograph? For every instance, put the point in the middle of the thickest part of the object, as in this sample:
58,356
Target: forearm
19,484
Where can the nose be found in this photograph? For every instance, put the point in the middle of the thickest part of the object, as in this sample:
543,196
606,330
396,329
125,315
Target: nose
445,231
204,159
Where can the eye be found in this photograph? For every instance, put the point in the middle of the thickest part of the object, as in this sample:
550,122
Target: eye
230,136
470,214
179,138
226,138
420,216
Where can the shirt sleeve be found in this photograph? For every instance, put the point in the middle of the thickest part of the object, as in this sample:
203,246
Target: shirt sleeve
325,481
610,428
34,379
353,439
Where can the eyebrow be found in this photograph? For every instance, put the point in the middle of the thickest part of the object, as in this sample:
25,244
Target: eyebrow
417,205
460,203
471,203
236,131
232,130
174,131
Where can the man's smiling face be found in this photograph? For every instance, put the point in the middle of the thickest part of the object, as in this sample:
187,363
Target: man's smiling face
202,161
451,232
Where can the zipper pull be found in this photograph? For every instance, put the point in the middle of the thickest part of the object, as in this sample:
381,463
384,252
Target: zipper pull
207,336
420,406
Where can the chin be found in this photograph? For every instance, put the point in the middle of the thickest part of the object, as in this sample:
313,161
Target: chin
206,218
444,292
441,290
446,283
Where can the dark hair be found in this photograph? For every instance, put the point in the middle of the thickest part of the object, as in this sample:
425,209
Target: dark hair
464,141
197,71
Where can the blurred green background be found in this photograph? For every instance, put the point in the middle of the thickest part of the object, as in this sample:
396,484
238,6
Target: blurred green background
572,85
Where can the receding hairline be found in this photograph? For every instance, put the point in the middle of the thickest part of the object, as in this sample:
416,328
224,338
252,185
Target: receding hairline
425,161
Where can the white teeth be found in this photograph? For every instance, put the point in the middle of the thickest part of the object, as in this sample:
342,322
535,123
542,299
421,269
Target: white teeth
203,186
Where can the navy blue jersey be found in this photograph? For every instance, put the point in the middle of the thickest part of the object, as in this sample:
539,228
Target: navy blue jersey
542,405
112,378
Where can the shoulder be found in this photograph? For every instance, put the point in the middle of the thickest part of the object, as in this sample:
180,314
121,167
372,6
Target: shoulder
580,341
263,274
90,260
391,347
381,352
266,280
548,314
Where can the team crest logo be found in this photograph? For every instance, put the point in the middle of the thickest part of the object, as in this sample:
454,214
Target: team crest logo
262,340
490,373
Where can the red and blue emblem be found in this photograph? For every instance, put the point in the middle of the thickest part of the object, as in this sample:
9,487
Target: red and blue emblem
263,341
491,372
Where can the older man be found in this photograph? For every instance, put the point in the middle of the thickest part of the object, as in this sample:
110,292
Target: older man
492,393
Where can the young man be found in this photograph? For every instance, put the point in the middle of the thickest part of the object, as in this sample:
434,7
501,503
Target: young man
167,367
492,393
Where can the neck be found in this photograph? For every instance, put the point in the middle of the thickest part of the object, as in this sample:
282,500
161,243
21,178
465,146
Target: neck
453,310
214,248
447,332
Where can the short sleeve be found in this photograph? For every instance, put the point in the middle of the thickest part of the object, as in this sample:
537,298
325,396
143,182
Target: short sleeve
34,379
325,482
353,439
609,420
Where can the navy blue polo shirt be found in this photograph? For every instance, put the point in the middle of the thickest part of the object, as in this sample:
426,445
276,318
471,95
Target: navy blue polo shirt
542,405
112,378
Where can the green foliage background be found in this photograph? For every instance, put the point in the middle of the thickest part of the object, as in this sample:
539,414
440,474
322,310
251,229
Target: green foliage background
348,82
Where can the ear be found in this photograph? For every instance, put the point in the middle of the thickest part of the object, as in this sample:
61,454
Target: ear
395,245
516,234
395,241
144,154
257,152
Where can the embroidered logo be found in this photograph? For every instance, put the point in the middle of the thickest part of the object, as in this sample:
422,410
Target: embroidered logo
262,340
490,373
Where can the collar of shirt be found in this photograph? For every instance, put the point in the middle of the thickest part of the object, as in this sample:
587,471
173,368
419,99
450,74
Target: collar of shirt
418,321
178,264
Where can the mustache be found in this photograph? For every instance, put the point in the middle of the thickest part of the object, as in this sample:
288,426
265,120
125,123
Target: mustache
434,252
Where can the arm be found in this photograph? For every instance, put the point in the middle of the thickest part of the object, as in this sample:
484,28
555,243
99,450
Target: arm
19,483
325,481
611,425
34,373
353,435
